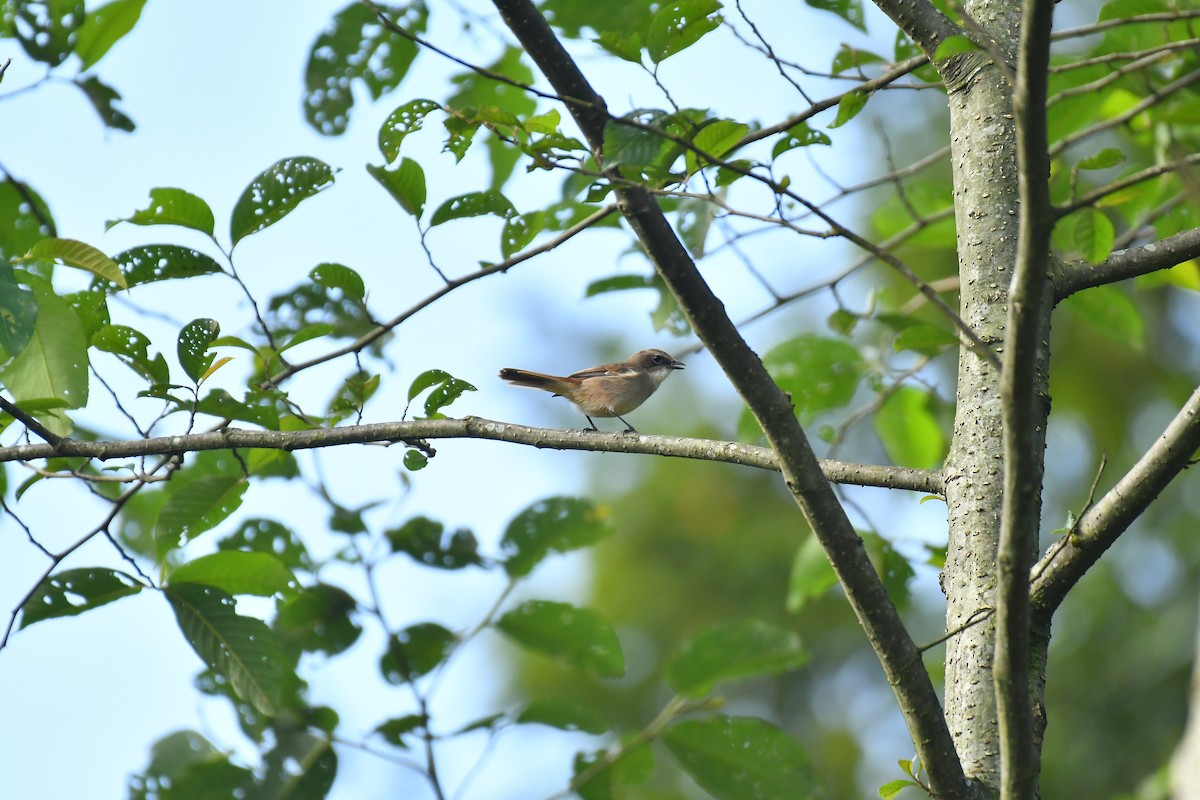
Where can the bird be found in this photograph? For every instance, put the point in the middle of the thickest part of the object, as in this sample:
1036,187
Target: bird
609,390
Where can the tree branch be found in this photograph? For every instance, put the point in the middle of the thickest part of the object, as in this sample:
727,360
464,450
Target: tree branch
17,413
917,480
1125,264
1029,304
1099,527
896,651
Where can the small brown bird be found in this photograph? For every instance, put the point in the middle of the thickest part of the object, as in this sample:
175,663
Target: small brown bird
607,391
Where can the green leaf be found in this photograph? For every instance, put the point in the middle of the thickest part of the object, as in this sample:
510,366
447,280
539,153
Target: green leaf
519,230
564,714
133,349
893,788
909,430
953,45
848,57
578,637
928,340
395,729
175,758
554,525
405,183
237,573
18,314
741,649
894,569
21,213
105,26
268,536
192,347
47,29
415,460
741,758
273,194
406,119
1093,235
619,283
680,24
820,374
811,576
197,506
459,135
416,651
301,766
473,204
74,591
849,10
627,47
1108,157
162,262
848,107
355,47
79,255
342,278
799,135
53,365
426,541
241,649
715,139
318,618
170,206
1111,313
446,389
613,781
103,98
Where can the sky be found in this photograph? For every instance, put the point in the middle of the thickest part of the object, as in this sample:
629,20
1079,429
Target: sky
215,89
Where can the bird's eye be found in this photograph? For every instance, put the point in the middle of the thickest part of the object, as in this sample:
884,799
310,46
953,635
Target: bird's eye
658,359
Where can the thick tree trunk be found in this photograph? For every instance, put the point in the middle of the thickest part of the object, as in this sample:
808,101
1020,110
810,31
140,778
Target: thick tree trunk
983,149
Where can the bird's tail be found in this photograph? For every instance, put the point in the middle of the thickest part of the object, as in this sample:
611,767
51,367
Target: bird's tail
536,380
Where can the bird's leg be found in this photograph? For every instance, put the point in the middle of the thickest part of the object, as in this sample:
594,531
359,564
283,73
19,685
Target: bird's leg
593,424
628,428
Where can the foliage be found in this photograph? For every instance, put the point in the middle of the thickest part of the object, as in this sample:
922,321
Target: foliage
733,609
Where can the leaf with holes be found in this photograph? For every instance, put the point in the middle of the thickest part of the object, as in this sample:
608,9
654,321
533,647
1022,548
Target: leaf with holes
356,47
276,192
18,313
162,262
427,542
679,25
406,119
53,365
416,651
192,347
74,591
241,649
132,347
473,204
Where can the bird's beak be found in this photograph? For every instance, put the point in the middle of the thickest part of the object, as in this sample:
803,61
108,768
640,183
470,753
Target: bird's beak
676,365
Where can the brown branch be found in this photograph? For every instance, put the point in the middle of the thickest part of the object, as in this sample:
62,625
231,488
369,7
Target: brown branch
1022,397
896,651
917,480
1101,525
1088,30
17,413
1125,264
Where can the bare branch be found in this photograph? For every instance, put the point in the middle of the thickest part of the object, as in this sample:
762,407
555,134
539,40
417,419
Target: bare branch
1129,180
17,413
1125,264
1100,526
917,480
1021,393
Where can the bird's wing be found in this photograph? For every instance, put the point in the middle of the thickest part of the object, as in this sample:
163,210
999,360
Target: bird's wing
608,370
